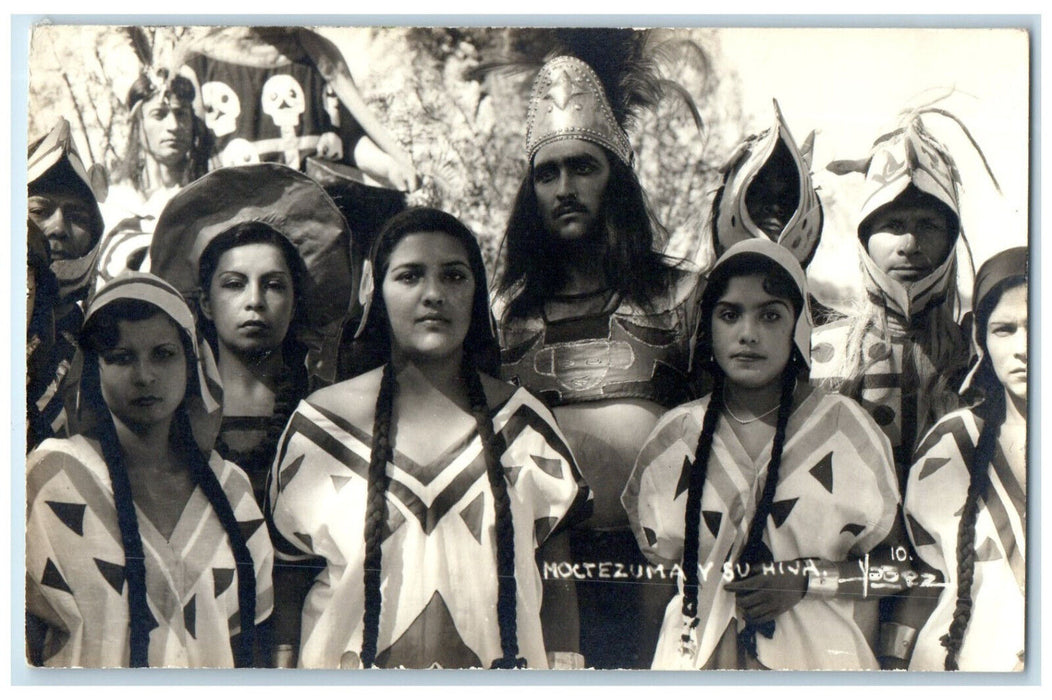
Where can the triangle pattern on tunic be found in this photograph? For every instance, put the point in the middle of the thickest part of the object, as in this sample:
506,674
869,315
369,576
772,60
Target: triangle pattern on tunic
780,510
823,472
249,527
712,518
987,551
53,579
684,477
433,630
190,616
395,519
113,573
551,467
289,473
932,465
650,535
71,515
339,481
921,537
542,527
512,474
305,539
471,514
222,578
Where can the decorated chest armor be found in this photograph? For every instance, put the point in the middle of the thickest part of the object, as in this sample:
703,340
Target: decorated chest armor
623,352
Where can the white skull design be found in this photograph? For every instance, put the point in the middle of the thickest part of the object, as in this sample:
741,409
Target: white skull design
238,152
222,107
283,100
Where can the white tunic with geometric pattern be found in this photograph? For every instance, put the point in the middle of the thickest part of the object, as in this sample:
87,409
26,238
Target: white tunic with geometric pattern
438,547
935,493
75,565
836,498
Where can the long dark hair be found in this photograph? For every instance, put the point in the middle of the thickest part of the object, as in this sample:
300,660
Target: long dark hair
130,167
100,333
633,267
374,347
480,354
376,516
776,282
991,413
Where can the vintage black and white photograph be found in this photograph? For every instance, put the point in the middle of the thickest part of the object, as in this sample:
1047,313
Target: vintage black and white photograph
527,347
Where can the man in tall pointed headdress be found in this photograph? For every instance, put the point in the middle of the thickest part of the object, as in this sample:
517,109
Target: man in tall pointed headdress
63,207
903,353
767,192
600,325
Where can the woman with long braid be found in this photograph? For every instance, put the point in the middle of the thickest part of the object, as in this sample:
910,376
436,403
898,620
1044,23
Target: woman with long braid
763,494
965,502
143,546
424,484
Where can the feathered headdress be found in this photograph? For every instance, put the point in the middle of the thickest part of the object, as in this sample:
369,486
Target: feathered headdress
592,83
910,155
156,75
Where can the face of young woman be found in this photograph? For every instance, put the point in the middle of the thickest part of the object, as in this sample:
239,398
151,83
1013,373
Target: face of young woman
752,333
250,298
428,292
1006,336
143,377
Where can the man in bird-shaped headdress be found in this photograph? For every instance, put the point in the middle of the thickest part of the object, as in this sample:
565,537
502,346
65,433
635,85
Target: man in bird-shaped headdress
600,325
902,353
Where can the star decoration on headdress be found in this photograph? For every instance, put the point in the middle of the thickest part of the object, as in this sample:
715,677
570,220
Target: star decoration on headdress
565,87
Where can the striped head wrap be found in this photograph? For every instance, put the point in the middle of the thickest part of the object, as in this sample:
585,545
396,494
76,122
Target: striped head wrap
203,406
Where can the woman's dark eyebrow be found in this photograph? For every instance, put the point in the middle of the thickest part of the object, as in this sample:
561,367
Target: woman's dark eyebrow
781,302
729,304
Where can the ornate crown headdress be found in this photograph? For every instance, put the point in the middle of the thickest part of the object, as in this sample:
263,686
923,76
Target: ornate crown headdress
590,83
568,102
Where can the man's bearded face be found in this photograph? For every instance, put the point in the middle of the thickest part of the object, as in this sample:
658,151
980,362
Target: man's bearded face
569,179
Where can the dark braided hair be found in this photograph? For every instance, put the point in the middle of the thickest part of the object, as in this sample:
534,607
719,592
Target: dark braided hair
776,282
992,413
506,613
99,332
376,513
978,479
754,552
376,516
699,470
